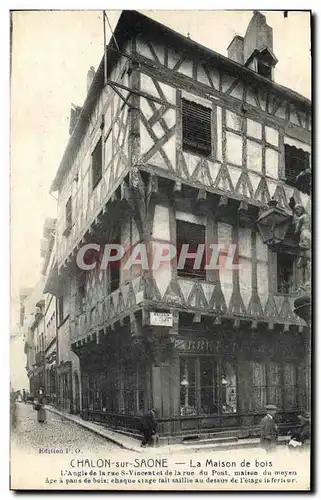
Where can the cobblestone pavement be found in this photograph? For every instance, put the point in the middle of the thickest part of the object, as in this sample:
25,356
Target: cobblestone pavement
79,459
56,432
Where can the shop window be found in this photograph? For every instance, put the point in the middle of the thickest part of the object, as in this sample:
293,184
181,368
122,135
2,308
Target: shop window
110,391
266,385
228,382
97,391
188,386
296,160
290,387
191,236
199,386
285,273
209,393
97,163
274,385
259,386
134,380
196,121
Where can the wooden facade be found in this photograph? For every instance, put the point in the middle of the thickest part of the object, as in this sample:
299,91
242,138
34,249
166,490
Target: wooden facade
234,337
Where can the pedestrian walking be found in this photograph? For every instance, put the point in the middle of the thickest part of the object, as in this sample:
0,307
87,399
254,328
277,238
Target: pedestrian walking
41,412
269,429
148,427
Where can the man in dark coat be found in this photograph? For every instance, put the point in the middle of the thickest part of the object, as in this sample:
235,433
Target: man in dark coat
269,429
148,427
303,433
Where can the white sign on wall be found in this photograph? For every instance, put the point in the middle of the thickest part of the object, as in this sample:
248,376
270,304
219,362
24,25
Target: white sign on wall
161,319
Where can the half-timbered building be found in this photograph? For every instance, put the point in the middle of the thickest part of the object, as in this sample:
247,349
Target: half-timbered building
177,144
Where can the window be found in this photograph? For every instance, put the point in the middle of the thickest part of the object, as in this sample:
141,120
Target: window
188,232
114,269
68,217
285,273
60,305
97,161
296,160
228,382
209,394
264,69
205,388
290,399
259,386
197,136
267,385
81,291
188,386
134,381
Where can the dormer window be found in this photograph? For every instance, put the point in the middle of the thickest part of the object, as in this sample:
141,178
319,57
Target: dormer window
255,50
264,69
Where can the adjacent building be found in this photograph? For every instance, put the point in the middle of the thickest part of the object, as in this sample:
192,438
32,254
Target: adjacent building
32,326
38,321
178,145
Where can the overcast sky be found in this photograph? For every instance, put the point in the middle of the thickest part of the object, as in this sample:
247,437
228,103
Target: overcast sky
51,53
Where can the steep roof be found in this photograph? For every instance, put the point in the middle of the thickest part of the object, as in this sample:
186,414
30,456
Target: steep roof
134,22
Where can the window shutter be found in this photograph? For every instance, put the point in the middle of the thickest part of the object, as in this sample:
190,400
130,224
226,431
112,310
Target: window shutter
196,128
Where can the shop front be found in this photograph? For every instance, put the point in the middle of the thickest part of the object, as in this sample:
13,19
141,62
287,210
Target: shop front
64,379
207,380
114,381
221,380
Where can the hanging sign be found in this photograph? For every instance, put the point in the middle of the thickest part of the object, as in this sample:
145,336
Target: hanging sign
161,319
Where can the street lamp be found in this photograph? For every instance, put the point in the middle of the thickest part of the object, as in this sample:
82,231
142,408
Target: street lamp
273,224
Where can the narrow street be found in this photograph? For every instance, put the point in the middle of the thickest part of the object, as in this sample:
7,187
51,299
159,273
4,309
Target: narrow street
55,433
60,454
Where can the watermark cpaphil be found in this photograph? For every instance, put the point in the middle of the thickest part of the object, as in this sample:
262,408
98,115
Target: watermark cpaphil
157,254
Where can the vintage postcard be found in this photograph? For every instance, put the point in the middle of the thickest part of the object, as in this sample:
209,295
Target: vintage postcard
160,189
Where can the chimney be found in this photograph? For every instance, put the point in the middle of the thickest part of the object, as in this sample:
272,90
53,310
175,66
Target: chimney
258,36
90,77
255,50
235,50
74,115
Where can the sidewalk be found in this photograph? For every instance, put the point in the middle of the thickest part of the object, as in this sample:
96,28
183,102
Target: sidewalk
132,444
116,437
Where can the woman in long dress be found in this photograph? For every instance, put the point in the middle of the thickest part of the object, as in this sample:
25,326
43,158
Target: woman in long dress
41,412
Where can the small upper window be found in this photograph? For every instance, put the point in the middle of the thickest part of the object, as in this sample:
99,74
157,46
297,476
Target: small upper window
97,163
264,69
68,216
60,306
191,236
285,273
197,135
296,160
